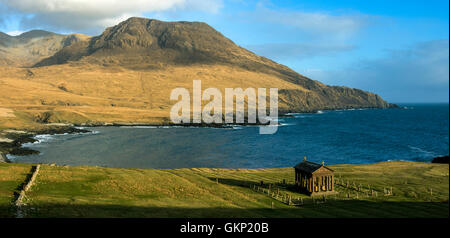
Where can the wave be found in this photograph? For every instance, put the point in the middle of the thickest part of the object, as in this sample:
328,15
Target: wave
39,139
287,124
11,158
303,115
420,150
44,138
160,127
278,125
140,127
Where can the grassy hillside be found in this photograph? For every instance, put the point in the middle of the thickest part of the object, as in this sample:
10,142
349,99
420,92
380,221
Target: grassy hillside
65,94
11,179
104,192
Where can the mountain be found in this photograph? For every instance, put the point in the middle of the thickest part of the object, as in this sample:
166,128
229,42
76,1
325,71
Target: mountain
30,47
127,72
144,43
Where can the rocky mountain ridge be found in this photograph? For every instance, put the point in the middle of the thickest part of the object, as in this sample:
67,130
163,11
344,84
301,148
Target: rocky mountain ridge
30,47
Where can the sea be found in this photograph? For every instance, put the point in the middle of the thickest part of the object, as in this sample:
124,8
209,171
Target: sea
413,132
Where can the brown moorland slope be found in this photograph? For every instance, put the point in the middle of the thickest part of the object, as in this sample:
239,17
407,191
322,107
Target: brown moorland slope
126,74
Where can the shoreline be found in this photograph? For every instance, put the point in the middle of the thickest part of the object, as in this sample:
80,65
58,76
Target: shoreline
14,139
18,138
219,168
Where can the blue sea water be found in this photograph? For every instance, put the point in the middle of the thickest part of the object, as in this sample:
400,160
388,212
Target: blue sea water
416,132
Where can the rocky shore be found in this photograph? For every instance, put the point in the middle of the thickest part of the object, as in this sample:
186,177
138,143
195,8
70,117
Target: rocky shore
11,141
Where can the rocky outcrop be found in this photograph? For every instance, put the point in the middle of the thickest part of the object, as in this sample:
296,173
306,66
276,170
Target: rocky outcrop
18,138
329,98
441,160
3,158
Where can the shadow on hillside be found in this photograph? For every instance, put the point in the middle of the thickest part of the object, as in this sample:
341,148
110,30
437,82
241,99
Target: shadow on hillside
234,182
251,184
332,209
7,212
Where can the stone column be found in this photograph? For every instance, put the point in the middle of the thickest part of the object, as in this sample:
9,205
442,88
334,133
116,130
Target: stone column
331,183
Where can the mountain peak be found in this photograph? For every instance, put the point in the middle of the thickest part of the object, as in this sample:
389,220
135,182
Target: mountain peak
33,46
35,34
148,43
151,33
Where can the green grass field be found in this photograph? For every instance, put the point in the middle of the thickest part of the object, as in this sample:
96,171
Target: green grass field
12,176
419,190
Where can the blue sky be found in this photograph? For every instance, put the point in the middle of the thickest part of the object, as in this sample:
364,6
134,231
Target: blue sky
398,49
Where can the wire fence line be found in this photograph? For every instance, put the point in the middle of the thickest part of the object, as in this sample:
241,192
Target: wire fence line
287,192
345,190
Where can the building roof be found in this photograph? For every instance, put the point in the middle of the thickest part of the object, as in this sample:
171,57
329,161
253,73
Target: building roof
309,167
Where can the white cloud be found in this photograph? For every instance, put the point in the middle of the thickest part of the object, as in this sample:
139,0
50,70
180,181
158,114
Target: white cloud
14,33
88,14
417,74
322,24
299,51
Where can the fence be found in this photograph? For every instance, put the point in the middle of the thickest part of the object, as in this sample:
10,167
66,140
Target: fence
359,189
346,190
